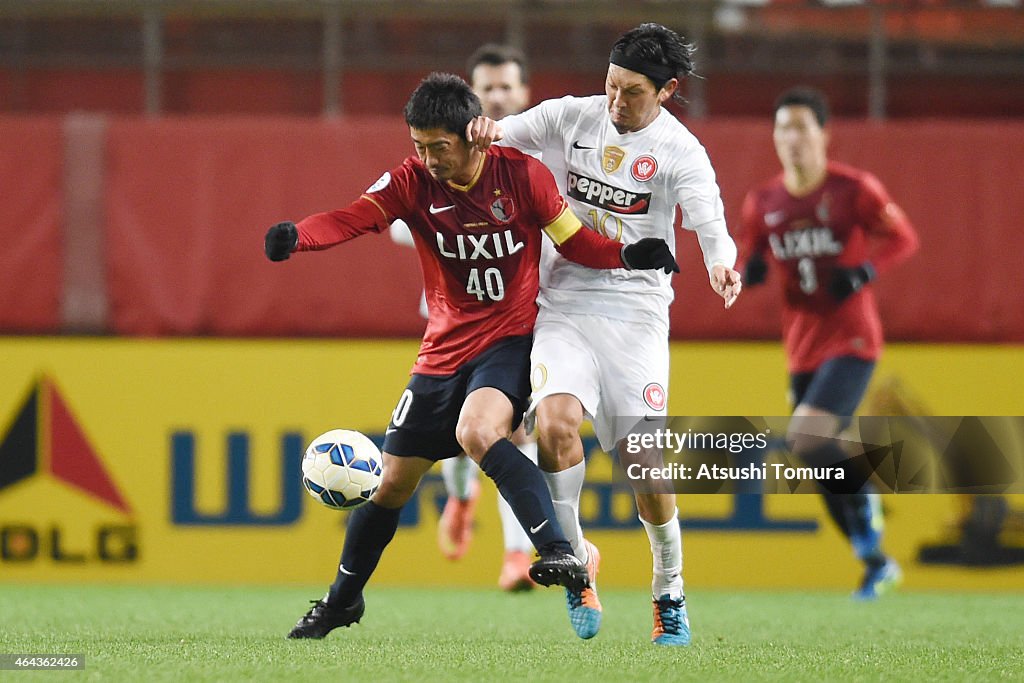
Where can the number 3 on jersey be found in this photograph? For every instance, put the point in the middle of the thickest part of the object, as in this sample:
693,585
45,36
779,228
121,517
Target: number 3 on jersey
490,285
808,275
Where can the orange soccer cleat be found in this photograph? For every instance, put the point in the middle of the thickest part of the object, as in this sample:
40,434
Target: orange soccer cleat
583,605
515,572
455,527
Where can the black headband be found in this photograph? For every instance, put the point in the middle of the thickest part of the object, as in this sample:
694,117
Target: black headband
659,73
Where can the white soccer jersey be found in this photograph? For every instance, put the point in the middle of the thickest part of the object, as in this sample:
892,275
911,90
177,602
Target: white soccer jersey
625,186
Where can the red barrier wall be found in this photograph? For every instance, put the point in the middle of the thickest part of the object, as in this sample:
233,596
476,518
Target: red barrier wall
189,201
30,229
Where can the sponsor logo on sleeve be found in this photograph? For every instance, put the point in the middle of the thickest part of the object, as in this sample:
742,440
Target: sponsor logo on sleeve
381,183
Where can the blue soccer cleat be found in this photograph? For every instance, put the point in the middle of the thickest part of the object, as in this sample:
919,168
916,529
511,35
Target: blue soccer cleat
879,580
671,625
583,605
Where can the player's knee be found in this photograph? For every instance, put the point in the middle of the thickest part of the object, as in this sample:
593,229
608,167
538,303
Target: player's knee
803,444
557,430
476,435
811,429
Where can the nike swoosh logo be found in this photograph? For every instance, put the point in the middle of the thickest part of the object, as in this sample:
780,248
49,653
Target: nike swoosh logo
389,430
535,529
342,569
440,209
576,145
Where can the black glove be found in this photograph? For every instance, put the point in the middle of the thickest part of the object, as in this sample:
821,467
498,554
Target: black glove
756,271
846,281
650,253
280,241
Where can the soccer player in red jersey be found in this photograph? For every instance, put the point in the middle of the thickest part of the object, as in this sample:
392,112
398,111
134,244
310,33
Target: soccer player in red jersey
829,230
477,218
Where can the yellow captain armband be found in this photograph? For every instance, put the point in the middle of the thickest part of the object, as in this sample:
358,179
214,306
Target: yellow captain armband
563,227
375,203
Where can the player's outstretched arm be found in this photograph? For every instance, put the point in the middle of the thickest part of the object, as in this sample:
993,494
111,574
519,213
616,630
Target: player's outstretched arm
726,282
593,250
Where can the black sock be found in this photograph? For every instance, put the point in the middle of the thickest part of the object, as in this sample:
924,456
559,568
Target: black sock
522,485
370,528
837,510
852,513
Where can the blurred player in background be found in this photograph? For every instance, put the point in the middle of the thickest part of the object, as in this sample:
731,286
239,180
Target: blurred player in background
499,76
624,163
829,230
477,218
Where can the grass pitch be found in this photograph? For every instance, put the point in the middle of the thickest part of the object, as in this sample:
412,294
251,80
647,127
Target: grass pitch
228,634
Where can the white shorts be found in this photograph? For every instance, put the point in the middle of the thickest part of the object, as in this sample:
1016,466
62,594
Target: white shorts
617,369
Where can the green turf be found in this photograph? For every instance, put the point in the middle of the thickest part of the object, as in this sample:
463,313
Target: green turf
222,634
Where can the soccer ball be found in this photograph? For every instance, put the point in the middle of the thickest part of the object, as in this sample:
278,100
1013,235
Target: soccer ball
342,469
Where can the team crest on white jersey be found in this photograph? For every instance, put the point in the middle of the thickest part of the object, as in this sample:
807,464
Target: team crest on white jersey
644,168
612,158
654,396
381,183
503,209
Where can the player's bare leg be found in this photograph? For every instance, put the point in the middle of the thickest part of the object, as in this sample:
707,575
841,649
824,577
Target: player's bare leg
813,436
370,528
559,418
483,429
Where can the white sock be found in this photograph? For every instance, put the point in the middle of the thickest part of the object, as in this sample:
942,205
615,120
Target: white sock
459,473
667,550
565,487
516,538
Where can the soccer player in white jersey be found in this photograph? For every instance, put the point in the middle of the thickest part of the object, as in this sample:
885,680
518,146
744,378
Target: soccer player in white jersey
499,76
601,344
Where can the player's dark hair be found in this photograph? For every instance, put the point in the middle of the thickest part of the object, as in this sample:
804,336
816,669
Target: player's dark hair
493,54
442,101
802,96
664,53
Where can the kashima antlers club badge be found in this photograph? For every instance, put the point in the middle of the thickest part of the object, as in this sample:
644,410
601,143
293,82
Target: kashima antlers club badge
503,209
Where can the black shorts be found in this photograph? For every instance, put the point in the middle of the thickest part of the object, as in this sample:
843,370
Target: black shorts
837,385
423,423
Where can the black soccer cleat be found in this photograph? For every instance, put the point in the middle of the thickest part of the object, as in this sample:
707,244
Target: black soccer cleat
321,619
562,569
